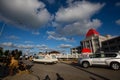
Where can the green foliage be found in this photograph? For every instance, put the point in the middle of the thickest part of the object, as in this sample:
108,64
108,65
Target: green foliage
17,54
1,52
6,53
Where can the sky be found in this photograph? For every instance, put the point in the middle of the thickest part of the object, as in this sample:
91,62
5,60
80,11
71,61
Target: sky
44,25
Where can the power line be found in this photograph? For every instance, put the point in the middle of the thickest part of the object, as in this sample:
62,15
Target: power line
1,31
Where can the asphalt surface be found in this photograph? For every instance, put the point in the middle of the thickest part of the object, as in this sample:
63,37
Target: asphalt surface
63,71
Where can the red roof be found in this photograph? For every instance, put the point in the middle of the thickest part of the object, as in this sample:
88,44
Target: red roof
86,50
92,32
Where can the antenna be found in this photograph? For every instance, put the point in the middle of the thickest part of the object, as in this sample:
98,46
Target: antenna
2,29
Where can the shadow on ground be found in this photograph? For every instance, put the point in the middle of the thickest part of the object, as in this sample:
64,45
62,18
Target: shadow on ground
94,74
4,71
58,77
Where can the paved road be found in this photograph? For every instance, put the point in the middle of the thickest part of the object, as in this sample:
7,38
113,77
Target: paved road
74,72
62,71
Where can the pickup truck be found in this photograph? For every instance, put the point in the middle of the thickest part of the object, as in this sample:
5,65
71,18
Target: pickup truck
108,59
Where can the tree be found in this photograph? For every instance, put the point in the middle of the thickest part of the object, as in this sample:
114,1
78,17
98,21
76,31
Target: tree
6,53
1,52
18,54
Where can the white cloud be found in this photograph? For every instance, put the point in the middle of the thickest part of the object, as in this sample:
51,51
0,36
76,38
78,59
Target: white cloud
28,14
69,1
28,46
13,37
19,46
65,46
77,11
118,21
7,44
43,46
53,35
28,42
51,1
76,18
35,33
79,28
117,4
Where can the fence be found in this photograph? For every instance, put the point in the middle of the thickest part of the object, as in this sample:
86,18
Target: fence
69,56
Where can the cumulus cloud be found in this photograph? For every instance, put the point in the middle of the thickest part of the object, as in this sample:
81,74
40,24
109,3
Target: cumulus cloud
79,28
69,2
77,11
118,21
76,19
27,14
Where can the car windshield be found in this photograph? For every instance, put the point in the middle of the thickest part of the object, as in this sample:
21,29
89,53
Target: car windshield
39,57
53,57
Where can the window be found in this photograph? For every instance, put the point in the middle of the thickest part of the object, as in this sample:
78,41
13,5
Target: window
97,55
110,55
111,42
104,43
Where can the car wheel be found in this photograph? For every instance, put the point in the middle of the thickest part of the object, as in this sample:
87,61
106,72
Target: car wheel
115,66
85,64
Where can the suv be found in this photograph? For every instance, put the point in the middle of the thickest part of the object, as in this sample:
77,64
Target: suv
108,59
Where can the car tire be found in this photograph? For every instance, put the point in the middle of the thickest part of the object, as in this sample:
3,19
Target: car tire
85,64
115,66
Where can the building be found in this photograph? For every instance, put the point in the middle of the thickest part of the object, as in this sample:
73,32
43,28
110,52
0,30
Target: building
76,50
93,41
111,45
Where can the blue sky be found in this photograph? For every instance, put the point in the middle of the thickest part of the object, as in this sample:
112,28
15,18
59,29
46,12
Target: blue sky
45,25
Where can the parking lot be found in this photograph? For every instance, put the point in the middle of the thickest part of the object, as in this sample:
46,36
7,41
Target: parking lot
63,71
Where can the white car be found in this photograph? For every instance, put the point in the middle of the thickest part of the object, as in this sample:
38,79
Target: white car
45,59
108,59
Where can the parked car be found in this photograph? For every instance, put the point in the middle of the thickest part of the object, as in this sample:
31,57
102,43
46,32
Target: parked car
108,59
45,59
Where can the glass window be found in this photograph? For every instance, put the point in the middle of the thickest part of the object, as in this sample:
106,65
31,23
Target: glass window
36,57
110,55
97,55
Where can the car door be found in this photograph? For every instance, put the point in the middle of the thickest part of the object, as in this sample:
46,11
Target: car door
99,59
96,59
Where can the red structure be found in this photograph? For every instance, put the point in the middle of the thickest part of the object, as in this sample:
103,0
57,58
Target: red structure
92,32
86,50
